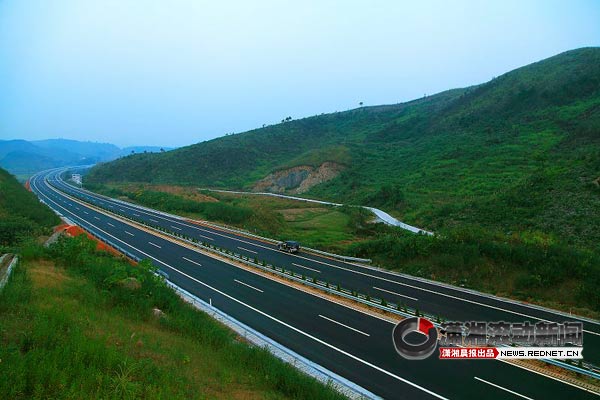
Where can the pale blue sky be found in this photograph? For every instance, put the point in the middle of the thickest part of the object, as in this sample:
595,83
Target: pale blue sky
178,72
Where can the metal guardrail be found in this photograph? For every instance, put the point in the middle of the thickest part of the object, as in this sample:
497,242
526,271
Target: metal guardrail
327,287
229,229
9,269
317,371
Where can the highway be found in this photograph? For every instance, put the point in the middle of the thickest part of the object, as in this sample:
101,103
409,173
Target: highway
347,341
451,303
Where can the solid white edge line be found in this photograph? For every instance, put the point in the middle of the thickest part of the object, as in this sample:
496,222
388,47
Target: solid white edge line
549,376
324,343
192,261
503,388
250,286
366,274
302,266
397,294
345,326
249,251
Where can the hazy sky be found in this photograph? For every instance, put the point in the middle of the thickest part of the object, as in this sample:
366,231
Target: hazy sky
178,72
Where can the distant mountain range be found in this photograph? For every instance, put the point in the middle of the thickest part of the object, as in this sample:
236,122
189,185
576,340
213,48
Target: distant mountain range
22,157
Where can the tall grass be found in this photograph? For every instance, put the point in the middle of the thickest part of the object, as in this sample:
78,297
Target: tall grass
73,340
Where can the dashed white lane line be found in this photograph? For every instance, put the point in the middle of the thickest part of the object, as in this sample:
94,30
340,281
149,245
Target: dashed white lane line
378,277
174,227
85,212
503,388
192,261
249,251
77,208
302,266
345,326
129,233
110,224
155,245
120,209
137,215
250,286
397,294
96,218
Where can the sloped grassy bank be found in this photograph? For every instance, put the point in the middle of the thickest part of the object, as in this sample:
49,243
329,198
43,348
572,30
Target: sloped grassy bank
78,323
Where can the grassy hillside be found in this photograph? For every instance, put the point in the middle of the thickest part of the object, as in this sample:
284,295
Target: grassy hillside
524,266
79,324
518,153
22,216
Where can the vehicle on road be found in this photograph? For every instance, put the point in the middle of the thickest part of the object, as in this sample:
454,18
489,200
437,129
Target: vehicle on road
290,246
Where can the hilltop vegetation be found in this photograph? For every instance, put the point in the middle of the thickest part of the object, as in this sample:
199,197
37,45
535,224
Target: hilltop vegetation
520,153
22,216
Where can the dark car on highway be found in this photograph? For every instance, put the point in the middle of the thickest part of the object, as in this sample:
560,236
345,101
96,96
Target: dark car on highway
290,246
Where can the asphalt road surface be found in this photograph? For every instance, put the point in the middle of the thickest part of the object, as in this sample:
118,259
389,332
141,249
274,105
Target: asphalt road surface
349,342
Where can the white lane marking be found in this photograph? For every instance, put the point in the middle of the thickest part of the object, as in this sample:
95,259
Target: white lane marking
110,224
249,251
549,376
129,233
137,215
153,220
120,209
345,326
206,237
189,225
77,208
96,218
174,227
253,272
85,212
302,266
503,388
154,244
250,286
397,294
192,261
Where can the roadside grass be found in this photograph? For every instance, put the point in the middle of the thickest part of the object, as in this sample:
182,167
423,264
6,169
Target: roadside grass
319,226
71,327
529,266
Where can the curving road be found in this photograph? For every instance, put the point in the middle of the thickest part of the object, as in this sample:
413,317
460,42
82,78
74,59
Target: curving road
349,342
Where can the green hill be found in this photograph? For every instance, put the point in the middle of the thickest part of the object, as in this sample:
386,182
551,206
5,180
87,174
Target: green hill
518,153
22,216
